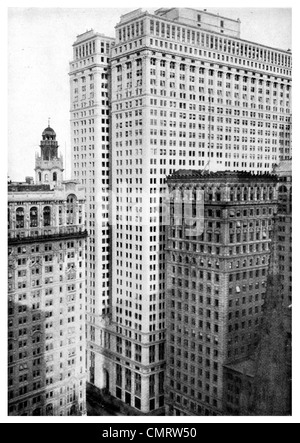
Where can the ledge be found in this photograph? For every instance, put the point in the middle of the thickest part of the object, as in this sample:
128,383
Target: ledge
47,238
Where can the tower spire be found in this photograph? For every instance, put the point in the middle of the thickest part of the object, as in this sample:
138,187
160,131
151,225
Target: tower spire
49,119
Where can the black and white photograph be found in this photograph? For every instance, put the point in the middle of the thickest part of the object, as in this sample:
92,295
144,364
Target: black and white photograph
149,216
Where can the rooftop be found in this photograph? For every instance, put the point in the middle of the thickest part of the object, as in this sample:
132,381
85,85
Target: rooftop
142,12
25,187
90,34
132,15
164,11
49,130
190,174
246,367
284,168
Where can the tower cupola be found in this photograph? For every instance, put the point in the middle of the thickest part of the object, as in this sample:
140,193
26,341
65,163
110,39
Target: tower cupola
49,166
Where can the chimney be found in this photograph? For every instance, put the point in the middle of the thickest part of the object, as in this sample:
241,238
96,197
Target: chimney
29,180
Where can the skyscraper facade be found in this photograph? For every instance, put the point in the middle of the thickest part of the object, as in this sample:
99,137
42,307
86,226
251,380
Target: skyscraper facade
90,142
216,284
46,285
187,92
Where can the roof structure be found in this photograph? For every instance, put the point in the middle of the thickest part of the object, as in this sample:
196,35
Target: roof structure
224,175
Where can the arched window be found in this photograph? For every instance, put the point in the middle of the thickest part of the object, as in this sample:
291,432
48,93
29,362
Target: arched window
47,216
71,209
73,410
282,189
34,217
46,178
251,194
40,177
49,410
264,195
270,193
20,218
55,176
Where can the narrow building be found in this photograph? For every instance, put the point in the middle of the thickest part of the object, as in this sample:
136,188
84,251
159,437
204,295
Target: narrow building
46,290
90,151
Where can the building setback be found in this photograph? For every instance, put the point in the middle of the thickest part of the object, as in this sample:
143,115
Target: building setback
46,289
216,283
90,142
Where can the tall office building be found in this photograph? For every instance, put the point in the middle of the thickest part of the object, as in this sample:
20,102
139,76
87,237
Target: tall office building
46,284
216,284
90,142
187,92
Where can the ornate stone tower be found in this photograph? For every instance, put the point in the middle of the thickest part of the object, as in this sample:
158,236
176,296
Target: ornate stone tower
49,167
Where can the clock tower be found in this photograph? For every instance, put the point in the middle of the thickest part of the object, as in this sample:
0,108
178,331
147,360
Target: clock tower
49,166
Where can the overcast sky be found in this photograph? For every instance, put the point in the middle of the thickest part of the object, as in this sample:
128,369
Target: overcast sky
40,48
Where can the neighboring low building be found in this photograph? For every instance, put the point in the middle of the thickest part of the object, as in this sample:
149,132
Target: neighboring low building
262,386
238,387
272,386
284,172
216,283
46,284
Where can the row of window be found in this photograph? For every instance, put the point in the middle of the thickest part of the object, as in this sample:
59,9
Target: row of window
223,44
164,45
46,215
87,49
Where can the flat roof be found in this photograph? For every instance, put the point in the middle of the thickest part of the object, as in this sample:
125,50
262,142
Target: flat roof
202,11
284,167
225,36
25,187
194,174
91,34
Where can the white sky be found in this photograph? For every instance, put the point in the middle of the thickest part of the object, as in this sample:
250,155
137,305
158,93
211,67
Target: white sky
40,48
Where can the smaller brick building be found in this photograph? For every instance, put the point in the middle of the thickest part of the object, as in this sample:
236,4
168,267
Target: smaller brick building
46,275
216,283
